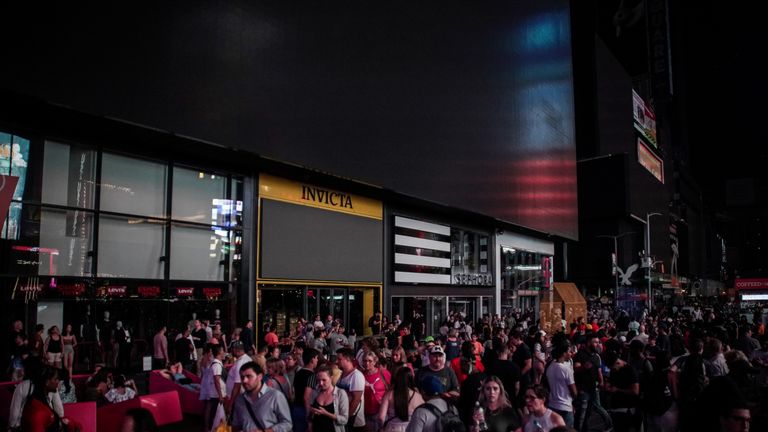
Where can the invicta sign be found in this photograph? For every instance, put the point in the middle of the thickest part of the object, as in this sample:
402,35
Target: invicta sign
326,197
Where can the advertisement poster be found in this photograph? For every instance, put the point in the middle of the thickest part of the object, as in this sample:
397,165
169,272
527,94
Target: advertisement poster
645,119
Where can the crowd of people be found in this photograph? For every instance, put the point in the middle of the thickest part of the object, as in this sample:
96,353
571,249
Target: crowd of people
673,369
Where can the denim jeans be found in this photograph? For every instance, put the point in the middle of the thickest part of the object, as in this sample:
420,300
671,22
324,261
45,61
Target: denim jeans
566,415
585,404
299,418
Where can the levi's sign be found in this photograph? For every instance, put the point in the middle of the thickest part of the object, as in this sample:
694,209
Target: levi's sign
185,292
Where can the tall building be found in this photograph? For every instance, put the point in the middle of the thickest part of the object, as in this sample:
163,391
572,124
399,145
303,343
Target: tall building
251,160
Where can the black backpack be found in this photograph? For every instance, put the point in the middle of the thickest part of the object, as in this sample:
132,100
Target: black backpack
447,421
657,398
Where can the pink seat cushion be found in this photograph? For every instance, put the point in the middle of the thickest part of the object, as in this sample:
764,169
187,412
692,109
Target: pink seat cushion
83,413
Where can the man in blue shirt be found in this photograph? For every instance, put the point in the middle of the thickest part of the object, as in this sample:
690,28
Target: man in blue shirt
259,408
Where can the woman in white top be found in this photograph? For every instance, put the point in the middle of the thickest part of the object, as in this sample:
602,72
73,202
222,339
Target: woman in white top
541,418
399,402
122,391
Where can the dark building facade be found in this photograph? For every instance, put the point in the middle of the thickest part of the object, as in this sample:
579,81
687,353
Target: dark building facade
254,161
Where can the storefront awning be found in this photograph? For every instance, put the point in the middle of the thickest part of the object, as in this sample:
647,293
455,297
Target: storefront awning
567,303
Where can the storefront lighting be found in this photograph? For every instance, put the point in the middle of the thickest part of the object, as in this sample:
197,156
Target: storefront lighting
507,249
751,297
527,267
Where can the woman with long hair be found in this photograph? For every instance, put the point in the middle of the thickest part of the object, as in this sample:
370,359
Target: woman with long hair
540,418
399,359
276,378
66,387
468,362
53,347
499,416
39,414
399,402
377,381
329,409
69,342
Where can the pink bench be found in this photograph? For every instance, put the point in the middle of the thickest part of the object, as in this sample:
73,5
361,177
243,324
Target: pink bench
165,407
190,400
83,413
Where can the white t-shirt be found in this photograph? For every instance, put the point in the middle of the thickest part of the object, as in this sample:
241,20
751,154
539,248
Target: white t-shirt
355,381
560,376
207,385
114,396
234,373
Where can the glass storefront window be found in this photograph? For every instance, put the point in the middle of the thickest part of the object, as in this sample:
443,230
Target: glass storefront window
133,186
199,253
131,247
14,160
69,174
200,197
470,252
65,242
522,278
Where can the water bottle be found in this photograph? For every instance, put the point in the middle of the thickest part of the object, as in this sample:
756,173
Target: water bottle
479,417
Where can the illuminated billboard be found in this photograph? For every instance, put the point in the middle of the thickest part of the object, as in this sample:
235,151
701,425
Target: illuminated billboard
644,119
650,161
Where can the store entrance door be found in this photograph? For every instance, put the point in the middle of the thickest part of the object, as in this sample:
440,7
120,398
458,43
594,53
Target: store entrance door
351,305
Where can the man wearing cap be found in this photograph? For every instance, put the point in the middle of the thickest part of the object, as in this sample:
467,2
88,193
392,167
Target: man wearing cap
233,377
436,368
424,419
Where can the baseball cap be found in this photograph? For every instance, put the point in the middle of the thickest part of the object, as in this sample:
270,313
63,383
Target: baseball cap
238,345
429,339
436,350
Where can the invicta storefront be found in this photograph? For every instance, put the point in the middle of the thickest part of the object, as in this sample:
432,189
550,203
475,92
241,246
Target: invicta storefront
319,253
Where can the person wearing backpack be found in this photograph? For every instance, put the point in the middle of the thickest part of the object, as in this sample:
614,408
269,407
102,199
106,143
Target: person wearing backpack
658,400
435,415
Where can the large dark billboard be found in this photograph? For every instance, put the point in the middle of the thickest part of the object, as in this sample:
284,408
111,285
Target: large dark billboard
468,104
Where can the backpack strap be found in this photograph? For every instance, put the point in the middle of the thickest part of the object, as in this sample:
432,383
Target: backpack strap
432,409
250,411
386,384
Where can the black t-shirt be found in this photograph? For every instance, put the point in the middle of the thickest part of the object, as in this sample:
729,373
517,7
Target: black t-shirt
445,375
586,379
375,325
391,339
623,379
504,420
509,374
200,337
246,336
304,378
468,395
182,348
409,341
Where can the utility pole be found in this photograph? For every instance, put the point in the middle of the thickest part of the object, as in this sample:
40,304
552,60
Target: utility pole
616,256
648,259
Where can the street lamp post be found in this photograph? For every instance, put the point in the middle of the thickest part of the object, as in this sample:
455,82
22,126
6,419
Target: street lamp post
616,255
648,259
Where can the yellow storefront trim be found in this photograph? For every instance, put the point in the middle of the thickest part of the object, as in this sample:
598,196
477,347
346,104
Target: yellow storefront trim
285,190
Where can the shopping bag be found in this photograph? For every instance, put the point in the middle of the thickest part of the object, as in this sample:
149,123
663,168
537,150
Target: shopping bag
220,420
